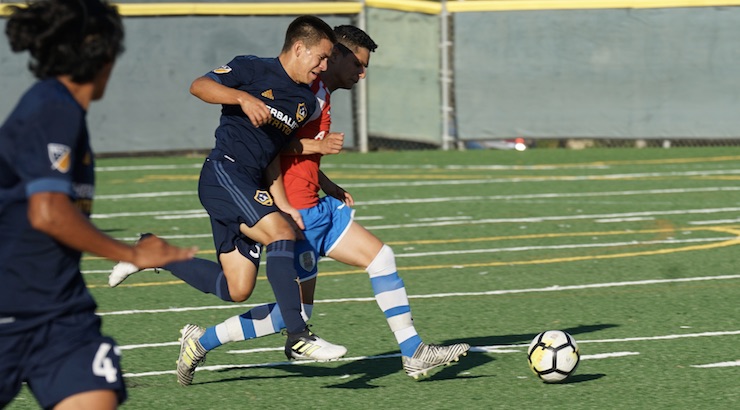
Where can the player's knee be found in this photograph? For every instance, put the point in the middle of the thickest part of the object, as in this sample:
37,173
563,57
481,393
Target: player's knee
240,282
240,291
384,262
240,295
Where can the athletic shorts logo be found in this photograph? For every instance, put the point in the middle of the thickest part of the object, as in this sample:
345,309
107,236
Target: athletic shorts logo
301,112
263,197
307,260
224,69
255,251
60,157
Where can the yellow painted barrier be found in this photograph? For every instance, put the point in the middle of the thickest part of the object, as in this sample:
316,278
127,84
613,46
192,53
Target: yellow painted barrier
416,6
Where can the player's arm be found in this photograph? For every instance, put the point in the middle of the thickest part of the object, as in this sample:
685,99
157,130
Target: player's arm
213,92
330,143
54,214
334,190
277,190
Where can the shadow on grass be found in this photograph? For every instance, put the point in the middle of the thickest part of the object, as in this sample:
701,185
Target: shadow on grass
361,373
576,332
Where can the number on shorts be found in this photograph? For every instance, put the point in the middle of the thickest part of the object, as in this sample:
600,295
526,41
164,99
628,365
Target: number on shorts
102,364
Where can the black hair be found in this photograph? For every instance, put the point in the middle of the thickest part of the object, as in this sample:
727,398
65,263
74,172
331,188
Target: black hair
308,29
353,38
66,37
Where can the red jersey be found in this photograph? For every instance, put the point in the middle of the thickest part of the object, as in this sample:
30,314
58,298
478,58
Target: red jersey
301,172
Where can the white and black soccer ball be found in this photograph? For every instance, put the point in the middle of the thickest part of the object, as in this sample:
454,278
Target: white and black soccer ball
553,356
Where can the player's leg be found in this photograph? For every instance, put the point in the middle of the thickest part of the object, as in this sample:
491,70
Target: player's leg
73,366
359,247
98,399
272,229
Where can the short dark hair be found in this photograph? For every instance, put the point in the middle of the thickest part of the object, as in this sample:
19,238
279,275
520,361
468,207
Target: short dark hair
308,29
66,37
353,38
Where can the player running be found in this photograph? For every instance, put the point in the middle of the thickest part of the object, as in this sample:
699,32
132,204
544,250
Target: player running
50,336
331,231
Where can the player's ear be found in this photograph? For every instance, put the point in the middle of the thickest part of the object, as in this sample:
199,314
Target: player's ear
298,48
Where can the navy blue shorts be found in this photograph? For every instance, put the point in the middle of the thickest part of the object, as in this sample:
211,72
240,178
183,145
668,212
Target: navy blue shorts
59,359
233,197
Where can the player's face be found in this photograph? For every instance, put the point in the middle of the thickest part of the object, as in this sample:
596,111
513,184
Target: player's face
314,61
350,67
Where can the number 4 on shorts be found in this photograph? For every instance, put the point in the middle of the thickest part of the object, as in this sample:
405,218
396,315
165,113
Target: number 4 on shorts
103,365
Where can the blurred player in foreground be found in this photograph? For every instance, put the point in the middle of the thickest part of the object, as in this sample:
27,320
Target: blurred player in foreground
49,333
331,231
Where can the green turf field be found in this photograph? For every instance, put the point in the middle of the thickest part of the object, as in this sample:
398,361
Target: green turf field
634,252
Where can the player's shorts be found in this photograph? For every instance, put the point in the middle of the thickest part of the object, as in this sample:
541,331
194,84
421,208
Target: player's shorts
326,223
232,197
59,359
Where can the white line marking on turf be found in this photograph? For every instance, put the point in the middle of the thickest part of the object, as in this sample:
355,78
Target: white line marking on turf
572,246
537,219
554,288
146,167
146,195
556,195
736,363
607,355
148,345
513,348
485,349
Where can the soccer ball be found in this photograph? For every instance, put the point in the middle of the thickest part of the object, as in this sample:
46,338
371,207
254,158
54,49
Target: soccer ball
553,356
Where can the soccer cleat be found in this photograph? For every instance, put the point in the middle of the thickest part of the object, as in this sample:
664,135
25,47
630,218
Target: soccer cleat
120,272
123,270
192,353
427,357
307,345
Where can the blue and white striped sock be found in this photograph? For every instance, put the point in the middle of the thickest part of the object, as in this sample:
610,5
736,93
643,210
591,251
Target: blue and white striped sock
259,321
390,293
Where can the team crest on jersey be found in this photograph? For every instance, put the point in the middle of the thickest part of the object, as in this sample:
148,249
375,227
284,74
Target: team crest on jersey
263,197
301,112
307,260
224,69
60,156
268,94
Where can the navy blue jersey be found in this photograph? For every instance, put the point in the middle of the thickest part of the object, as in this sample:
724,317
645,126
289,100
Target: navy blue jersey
291,105
44,147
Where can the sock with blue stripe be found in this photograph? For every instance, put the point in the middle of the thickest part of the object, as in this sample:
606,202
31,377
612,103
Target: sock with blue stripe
202,274
259,321
390,294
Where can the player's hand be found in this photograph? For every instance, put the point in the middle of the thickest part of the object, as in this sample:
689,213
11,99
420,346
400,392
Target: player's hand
332,143
154,252
348,199
339,193
256,110
295,218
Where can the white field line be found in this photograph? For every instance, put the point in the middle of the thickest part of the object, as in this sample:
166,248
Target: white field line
700,211
478,349
554,288
736,363
147,167
377,166
572,246
496,250
558,218
344,359
470,198
607,355
542,179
